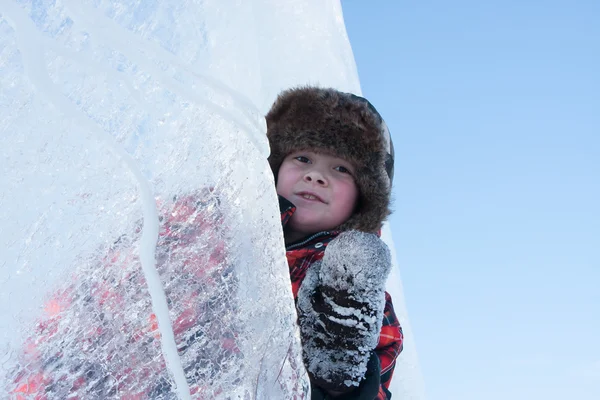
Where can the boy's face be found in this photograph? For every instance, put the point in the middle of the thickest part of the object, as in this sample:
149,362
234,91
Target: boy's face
321,187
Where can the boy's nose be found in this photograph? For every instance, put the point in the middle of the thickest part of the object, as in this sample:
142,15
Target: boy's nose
315,177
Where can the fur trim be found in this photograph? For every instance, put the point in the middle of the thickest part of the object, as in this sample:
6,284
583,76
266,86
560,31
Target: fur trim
342,124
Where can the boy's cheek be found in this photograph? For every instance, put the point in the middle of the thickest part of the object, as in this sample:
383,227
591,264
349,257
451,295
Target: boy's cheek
279,186
282,186
279,190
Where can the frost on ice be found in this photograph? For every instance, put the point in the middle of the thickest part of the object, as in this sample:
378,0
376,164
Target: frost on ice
142,253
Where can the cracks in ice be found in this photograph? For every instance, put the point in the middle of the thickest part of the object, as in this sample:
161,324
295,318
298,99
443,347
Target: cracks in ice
136,49
29,43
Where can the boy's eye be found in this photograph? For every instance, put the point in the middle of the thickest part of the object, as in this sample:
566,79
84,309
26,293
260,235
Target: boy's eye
302,159
343,170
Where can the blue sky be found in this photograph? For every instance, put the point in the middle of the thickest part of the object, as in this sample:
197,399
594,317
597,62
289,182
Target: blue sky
494,108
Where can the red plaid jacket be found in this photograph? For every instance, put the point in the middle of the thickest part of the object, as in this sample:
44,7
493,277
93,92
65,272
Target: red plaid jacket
302,255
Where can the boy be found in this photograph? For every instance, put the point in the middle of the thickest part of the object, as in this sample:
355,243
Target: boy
332,158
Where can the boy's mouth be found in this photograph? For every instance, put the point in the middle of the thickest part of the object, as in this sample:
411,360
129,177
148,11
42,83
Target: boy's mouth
310,197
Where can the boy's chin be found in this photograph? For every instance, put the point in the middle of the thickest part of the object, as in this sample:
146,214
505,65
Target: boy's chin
310,222
309,227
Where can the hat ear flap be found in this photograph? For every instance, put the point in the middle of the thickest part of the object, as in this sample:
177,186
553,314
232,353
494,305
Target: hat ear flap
389,158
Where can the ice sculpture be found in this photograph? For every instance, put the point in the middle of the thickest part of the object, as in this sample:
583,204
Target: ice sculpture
141,247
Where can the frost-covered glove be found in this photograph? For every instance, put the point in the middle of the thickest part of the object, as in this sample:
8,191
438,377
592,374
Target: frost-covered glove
340,306
368,389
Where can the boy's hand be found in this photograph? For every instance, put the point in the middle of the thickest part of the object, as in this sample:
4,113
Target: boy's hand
340,305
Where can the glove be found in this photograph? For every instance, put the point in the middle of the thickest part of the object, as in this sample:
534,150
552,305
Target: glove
340,307
368,389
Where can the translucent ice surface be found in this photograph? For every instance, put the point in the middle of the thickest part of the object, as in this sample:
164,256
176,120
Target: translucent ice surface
142,253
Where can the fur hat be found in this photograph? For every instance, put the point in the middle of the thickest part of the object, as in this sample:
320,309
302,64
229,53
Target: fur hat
347,126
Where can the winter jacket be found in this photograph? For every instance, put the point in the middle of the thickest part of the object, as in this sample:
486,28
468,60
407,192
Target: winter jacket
380,368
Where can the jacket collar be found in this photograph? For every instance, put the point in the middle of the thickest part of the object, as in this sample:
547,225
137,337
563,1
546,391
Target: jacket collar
287,209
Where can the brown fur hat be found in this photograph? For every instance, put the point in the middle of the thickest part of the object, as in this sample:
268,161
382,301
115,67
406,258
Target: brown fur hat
347,126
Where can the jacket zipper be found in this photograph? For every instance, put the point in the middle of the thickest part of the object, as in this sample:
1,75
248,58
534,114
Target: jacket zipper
316,235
